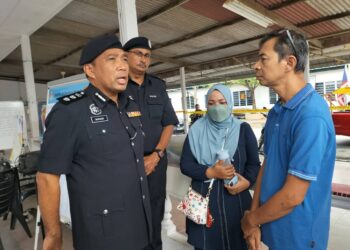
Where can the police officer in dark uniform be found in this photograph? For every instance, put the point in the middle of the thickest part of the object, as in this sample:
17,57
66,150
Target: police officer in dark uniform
95,138
158,119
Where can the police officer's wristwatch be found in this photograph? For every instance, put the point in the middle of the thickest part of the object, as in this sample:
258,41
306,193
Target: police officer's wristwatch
159,152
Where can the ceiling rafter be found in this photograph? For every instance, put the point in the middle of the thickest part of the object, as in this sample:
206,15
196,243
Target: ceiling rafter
194,66
324,19
146,18
200,32
252,56
284,4
161,11
253,39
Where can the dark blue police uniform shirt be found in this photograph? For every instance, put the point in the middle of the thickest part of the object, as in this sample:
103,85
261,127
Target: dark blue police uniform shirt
155,106
100,148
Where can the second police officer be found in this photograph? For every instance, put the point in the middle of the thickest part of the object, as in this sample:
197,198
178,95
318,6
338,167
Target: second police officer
158,119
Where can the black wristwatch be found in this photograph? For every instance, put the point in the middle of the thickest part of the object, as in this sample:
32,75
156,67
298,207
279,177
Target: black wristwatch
159,152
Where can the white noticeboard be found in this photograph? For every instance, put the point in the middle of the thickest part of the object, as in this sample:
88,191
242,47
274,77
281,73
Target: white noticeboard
55,90
13,130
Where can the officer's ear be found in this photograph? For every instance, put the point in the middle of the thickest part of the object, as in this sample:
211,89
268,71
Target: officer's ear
89,70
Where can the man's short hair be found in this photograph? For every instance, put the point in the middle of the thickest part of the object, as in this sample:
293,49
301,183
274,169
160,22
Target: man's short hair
289,42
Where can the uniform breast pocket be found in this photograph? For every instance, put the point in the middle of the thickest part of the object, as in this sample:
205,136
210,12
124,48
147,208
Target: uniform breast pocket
155,107
104,141
105,218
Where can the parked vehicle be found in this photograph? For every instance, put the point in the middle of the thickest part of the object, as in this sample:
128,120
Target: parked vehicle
341,122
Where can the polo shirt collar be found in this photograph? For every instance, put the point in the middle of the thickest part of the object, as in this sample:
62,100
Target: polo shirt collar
299,97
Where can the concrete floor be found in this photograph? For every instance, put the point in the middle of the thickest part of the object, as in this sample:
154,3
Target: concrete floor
339,231
17,240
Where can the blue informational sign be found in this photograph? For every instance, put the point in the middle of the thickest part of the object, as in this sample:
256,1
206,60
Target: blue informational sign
58,91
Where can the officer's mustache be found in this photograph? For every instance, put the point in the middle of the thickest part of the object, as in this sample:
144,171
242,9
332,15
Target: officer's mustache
142,65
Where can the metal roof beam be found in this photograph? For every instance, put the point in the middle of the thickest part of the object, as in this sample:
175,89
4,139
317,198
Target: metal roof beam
324,19
199,33
161,11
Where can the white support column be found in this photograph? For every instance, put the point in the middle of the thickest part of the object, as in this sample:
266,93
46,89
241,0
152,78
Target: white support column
183,94
31,94
307,66
167,223
195,95
127,20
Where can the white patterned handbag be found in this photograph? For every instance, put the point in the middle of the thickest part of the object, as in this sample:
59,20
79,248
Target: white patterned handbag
196,207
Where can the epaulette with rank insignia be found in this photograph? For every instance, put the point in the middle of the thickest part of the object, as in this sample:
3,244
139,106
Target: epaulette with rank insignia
72,97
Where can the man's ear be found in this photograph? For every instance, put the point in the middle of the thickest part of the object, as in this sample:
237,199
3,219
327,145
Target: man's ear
89,70
291,63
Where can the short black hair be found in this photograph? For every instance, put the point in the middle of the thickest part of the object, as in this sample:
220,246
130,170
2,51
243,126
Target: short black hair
289,42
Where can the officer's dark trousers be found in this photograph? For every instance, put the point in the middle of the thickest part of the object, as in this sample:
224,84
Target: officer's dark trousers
157,190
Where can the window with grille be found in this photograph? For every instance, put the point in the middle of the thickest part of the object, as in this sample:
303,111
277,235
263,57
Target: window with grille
190,102
236,99
319,87
242,98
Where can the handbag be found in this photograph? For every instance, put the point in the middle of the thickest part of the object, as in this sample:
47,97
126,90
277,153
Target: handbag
196,207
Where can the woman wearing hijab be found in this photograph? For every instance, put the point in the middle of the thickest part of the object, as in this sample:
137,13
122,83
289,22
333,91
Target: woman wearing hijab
218,131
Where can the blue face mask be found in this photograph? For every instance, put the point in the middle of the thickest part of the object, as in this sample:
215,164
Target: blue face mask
218,112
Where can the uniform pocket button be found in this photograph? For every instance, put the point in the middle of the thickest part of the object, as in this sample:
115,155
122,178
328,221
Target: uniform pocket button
105,211
103,131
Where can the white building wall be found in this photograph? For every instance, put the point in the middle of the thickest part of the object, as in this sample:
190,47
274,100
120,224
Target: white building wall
261,97
14,91
326,76
262,94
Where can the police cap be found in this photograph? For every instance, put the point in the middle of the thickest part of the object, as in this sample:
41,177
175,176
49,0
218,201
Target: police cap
138,42
97,46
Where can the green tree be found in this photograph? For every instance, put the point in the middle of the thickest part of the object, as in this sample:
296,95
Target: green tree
250,83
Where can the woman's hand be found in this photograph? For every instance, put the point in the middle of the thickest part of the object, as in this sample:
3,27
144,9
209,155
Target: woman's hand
220,171
240,186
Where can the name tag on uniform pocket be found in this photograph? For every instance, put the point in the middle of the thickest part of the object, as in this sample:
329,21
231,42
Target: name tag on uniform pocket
133,114
100,118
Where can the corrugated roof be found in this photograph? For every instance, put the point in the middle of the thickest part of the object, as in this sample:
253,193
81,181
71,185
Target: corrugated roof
211,9
73,27
343,23
88,14
327,8
178,20
102,4
197,33
146,7
323,28
298,13
268,3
